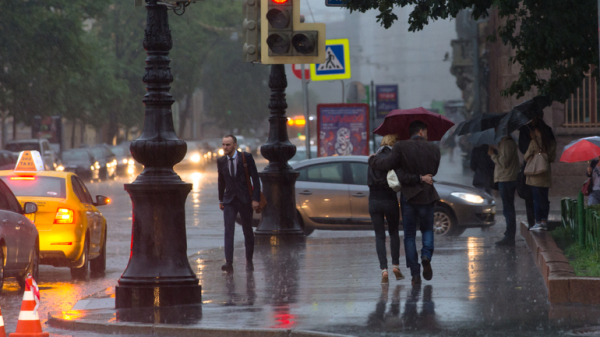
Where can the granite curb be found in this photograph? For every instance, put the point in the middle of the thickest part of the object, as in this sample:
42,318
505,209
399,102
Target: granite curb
175,330
559,276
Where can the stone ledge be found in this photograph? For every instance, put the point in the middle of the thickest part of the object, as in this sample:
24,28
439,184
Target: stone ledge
559,276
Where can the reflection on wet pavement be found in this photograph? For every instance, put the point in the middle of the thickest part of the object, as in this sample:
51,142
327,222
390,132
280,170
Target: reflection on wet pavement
332,285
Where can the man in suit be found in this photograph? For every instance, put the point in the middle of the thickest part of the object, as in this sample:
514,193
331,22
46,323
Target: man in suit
235,198
420,157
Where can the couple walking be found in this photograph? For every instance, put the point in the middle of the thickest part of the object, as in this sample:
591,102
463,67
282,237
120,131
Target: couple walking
415,162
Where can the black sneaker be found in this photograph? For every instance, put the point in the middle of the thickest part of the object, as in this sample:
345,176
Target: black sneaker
508,242
416,280
427,272
227,267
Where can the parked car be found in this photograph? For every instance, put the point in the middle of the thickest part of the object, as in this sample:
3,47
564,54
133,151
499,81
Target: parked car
19,240
51,159
332,194
125,162
106,160
82,163
8,160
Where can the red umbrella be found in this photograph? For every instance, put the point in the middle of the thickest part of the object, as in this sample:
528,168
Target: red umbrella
583,149
397,122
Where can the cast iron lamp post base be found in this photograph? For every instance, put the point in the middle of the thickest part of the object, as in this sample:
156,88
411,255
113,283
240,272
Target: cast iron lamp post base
279,223
158,273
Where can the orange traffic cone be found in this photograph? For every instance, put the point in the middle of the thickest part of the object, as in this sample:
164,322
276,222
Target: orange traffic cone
2,331
29,324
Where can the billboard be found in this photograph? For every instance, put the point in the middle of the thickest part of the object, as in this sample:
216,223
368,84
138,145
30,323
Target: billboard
342,129
387,99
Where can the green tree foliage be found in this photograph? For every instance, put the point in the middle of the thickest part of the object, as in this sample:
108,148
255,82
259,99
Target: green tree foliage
43,47
547,35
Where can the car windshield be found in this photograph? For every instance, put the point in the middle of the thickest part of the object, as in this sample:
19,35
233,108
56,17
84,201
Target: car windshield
36,186
98,152
119,151
75,156
18,147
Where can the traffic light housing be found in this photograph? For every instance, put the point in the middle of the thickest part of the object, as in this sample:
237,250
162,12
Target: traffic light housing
251,27
284,39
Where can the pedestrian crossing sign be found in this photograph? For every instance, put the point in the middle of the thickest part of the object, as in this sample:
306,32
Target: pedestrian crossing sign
337,62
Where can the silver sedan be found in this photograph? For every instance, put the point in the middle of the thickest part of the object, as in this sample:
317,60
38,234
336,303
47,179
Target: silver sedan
332,194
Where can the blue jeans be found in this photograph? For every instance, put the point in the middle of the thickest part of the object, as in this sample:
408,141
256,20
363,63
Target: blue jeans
507,194
411,215
541,204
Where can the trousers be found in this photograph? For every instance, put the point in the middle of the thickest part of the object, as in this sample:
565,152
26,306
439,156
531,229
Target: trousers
230,213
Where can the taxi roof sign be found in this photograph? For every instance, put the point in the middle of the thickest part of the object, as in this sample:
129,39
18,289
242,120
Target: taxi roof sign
29,161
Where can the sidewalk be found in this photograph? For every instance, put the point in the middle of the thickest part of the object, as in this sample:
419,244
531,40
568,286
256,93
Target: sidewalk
333,286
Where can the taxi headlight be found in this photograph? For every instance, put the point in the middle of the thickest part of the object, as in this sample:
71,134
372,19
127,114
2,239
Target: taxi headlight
468,197
195,158
221,152
60,168
125,161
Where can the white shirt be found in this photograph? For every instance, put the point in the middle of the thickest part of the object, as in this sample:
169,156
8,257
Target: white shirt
234,164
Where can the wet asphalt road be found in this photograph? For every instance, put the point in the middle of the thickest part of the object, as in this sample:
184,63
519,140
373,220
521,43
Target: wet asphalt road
204,231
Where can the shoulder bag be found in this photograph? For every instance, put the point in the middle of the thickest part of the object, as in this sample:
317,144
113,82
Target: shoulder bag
587,187
263,201
538,164
393,181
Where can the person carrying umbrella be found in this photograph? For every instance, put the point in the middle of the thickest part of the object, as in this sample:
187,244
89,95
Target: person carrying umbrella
594,174
506,169
542,144
420,157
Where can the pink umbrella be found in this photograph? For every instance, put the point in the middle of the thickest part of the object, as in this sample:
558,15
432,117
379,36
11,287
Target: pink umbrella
397,122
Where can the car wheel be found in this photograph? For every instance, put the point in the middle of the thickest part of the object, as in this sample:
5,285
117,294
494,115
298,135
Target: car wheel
81,271
33,268
307,231
98,265
444,222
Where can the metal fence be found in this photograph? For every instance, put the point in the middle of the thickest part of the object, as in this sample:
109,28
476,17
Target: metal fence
584,223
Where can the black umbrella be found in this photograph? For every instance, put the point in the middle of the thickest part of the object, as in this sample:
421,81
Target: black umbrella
521,115
479,123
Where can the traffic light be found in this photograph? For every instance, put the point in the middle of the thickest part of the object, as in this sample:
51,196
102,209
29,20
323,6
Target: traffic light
251,27
284,39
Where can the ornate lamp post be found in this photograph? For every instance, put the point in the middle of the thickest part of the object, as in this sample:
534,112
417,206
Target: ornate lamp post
279,223
158,273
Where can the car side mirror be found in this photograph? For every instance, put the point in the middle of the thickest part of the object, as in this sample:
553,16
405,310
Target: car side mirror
29,207
102,200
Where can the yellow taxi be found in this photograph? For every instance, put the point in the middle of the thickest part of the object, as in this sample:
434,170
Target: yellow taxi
72,232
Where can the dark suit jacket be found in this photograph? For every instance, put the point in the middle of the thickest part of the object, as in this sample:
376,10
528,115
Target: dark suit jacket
230,187
414,156
483,166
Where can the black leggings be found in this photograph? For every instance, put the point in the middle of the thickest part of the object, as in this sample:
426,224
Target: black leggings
378,208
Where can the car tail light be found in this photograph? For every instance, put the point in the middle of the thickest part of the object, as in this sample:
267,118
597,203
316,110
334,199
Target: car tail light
22,178
64,216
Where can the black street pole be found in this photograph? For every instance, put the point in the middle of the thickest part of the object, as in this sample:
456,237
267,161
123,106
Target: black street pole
158,273
279,223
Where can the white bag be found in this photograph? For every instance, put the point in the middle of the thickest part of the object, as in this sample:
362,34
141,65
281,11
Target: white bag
393,181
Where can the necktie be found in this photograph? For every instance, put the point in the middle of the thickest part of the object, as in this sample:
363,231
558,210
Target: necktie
231,168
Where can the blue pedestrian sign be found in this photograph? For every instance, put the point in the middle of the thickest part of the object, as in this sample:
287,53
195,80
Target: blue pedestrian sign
337,62
335,3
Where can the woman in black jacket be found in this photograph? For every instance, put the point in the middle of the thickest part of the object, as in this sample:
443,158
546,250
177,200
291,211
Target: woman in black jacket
383,202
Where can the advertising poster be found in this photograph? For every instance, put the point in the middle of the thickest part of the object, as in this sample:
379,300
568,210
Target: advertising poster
387,99
343,129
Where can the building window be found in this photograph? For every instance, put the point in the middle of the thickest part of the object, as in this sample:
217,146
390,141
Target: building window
583,108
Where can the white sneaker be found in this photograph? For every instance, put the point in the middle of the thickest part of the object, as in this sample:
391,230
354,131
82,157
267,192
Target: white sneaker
539,227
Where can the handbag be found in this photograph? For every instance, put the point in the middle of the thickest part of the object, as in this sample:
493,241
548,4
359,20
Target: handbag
263,201
587,187
393,181
538,164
